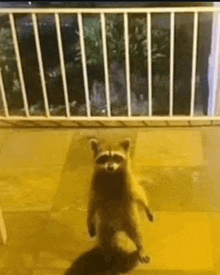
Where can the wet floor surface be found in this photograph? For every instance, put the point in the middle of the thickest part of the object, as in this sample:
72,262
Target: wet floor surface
44,182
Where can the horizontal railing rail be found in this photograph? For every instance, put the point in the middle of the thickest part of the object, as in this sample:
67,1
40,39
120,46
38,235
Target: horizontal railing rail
105,122
110,10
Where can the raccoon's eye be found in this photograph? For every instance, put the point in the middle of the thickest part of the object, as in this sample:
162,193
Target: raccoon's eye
102,159
117,158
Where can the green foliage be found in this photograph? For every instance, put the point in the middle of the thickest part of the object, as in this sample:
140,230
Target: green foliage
93,41
7,60
138,49
7,57
138,46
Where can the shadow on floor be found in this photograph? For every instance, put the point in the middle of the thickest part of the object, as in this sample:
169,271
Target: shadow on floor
95,262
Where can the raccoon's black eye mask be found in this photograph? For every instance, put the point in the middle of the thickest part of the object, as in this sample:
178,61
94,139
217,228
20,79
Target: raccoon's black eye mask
117,158
102,159
105,158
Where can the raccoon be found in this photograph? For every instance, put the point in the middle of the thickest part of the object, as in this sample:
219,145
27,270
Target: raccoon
114,197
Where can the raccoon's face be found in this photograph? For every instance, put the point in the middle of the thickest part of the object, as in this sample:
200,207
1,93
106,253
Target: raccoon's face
108,159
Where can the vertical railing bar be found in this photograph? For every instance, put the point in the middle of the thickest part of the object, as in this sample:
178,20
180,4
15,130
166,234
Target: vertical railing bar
62,64
40,63
149,64
105,64
83,54
4,99
20,72
172,27
127,62
194,55
216,68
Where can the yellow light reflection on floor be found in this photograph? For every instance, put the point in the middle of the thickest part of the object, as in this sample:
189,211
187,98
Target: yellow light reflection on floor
168,148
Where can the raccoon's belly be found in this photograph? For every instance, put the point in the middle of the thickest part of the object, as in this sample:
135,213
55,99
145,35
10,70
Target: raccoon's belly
113,215
113,220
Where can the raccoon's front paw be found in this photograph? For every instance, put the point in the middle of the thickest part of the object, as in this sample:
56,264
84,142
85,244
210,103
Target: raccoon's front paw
150,217
92,231
144,259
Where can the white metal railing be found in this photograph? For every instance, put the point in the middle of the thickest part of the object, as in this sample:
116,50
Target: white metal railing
20,71
127,64
149,63
195,35
107,87
172,25
83,52
98,120
215,61
41,67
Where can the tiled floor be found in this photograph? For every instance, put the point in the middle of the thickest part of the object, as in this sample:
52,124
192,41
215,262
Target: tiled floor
40,169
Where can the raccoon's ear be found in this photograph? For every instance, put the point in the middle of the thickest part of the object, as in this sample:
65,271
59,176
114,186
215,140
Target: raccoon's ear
126,144
94,146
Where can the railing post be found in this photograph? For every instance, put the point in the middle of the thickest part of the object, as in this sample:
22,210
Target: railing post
194,57
172,33
3,95
214,63
149,59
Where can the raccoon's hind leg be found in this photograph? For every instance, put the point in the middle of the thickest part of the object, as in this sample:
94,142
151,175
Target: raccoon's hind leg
132,228
108,244
106,237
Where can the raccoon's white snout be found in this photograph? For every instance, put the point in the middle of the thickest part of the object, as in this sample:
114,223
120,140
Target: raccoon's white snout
111,167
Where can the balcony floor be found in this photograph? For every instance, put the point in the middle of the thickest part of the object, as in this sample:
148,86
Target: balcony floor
40,169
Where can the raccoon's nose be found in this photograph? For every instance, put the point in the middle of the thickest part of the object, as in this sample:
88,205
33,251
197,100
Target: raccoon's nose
110,167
